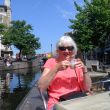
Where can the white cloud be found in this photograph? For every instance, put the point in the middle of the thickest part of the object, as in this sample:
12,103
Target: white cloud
64,13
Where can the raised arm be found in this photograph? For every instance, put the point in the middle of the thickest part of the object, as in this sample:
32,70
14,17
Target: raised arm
47,77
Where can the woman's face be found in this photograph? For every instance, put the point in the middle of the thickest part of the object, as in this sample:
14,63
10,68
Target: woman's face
65,52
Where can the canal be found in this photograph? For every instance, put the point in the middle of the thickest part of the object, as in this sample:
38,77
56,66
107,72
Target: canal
14,85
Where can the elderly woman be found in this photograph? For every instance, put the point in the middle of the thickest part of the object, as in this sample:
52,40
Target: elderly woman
61,75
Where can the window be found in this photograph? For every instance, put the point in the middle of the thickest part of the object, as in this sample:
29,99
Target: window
1,10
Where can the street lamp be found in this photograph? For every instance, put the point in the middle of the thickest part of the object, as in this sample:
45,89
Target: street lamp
105,57
51,49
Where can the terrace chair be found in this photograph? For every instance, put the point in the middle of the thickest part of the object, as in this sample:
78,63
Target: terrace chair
44,97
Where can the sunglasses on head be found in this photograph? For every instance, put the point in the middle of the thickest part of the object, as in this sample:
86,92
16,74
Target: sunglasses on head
70,48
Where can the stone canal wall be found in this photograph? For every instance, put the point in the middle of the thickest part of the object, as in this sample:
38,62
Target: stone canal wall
20,65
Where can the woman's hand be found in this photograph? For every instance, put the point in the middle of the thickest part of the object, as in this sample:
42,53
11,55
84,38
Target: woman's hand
79,63
63,65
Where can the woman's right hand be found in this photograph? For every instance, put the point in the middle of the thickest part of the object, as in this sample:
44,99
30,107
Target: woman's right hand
63,65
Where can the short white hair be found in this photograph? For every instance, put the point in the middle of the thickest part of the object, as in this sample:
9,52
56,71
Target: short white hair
68,41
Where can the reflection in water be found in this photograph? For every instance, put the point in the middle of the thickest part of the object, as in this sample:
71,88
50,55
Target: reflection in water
7,79
14,85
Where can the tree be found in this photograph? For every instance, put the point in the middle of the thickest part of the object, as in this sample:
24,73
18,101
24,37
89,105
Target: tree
92,24
3,28
19,35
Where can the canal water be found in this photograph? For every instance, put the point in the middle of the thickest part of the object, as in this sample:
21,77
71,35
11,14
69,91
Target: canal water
14,85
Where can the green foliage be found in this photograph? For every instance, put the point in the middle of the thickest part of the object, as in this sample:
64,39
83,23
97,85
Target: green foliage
92,24
19,34
3,28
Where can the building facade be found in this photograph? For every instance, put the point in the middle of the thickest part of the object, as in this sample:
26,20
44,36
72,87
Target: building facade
5,18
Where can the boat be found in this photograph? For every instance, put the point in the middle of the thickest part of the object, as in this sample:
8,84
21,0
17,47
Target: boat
34,100
37,100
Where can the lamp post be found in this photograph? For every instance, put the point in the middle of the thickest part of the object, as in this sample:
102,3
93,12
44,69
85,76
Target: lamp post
51,49
0,46
105,57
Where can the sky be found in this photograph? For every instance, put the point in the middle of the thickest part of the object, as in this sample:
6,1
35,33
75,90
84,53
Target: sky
49,19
